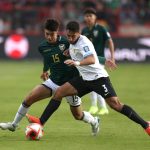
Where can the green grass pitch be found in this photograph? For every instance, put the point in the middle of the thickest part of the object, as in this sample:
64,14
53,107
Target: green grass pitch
62,132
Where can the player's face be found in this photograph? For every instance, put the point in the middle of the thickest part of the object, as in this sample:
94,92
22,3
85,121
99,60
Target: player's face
90,19
51,36
72,36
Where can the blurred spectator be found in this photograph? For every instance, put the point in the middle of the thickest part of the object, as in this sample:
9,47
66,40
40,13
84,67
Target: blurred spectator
28,15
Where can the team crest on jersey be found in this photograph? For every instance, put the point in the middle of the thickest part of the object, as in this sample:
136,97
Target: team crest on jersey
62,47
95,32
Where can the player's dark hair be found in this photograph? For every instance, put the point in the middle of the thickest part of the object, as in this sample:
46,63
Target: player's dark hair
90,11
51,25
73,26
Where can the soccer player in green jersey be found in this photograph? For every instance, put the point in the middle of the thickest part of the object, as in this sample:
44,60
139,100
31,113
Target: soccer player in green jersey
52,49
99,36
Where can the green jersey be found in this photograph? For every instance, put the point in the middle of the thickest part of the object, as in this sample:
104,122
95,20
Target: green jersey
98,36
54,60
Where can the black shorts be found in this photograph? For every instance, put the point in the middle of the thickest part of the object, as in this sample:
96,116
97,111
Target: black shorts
101,86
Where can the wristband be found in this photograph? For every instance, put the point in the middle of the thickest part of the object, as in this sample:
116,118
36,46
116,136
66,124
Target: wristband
77,63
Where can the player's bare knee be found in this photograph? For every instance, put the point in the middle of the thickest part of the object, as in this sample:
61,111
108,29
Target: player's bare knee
58,94
114,103
78,116
29,100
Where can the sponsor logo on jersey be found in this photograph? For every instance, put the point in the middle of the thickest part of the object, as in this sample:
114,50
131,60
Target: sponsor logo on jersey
95,33
62,47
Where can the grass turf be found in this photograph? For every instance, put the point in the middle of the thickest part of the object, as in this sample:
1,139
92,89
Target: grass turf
62,132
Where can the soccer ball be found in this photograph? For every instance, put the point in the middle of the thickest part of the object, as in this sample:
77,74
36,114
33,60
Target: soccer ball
34,131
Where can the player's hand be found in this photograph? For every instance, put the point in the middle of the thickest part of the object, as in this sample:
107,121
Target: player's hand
44,76
110,64
70,62
66,53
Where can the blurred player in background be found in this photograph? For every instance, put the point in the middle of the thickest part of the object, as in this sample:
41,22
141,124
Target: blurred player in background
99,36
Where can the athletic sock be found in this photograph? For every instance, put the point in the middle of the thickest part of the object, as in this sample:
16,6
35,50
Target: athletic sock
88,118
49,110
130,113
93,96
20,114
101,101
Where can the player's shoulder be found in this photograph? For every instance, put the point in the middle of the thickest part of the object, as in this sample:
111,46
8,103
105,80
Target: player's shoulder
100,27
43,43
85,29
84,41
63,39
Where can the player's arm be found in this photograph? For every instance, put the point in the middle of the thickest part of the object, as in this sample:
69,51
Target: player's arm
110,43
89,60
111,48
45,75
107,62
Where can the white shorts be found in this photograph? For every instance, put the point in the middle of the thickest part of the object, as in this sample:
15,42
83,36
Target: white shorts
72,100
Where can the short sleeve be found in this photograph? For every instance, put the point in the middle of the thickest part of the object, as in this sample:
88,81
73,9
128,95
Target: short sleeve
106,34
86,51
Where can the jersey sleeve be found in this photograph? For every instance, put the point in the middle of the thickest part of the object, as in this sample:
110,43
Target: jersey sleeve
106,34
102,60
86,50
45,61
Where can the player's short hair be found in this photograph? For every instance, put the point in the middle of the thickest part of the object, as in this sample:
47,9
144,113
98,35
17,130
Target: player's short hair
90,11
73,26
51,25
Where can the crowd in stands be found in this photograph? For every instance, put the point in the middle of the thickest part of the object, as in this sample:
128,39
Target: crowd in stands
27,16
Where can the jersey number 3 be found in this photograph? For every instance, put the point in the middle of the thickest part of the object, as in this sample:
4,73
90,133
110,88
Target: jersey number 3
55,58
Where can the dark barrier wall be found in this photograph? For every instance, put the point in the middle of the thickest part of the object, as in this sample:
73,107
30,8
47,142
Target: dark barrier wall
24,47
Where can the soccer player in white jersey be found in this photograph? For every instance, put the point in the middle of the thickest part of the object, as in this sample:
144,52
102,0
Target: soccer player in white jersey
93,77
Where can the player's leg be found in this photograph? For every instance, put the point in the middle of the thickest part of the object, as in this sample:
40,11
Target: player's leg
93,108
107,91
38,93
103,107
73,87
86,117
126,110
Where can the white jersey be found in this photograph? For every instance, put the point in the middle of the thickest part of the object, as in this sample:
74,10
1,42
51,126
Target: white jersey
80,50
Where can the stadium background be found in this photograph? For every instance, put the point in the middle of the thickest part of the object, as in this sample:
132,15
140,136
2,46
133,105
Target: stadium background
128,21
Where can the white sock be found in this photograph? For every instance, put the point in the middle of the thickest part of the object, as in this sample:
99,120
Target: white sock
93,97
88,118
101,101
20,114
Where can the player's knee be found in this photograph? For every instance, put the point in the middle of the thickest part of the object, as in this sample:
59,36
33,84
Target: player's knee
58,94
29,100
114,103
78,116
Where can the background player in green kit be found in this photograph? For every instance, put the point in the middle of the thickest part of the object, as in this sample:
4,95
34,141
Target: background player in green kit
99,36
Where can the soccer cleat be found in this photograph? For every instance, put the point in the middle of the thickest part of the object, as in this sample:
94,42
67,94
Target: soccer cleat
103,111
95,127
33,119
93,110
147,130
8,126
